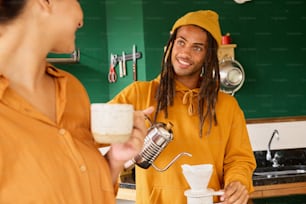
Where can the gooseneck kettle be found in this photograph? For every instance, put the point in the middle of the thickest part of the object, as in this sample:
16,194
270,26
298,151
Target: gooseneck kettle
158,137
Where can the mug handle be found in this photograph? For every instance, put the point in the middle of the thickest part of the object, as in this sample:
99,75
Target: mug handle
218,193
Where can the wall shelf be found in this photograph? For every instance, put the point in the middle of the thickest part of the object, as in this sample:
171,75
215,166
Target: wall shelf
74,58
227,51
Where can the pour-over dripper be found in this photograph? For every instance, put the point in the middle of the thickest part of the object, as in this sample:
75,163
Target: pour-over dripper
197,176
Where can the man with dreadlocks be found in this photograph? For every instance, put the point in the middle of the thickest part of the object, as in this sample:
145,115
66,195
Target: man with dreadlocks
207,123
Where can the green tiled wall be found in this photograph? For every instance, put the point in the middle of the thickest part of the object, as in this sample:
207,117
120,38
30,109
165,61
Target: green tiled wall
270,37
92,42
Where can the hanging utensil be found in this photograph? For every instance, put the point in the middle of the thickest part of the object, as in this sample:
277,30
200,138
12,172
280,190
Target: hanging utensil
123,64
112,76
120,69
134,64
231,76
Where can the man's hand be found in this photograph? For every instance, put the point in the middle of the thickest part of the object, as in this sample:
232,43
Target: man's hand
235,193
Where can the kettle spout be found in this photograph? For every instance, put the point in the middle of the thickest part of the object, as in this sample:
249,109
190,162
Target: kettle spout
170,163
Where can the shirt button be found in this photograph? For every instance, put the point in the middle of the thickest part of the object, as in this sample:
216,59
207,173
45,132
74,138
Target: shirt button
83,168
62,131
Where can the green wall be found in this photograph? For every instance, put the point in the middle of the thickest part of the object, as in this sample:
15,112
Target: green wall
92,42
124,29
270,38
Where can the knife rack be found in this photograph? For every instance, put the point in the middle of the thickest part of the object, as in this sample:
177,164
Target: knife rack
119,58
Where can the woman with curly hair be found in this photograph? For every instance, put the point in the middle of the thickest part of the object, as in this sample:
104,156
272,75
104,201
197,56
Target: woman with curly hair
47,151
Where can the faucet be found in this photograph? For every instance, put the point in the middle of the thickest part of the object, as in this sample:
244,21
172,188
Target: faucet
268,155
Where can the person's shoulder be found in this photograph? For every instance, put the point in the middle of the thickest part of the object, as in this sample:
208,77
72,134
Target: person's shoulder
72,82
146,84
227,105
60,73
224,95
226,98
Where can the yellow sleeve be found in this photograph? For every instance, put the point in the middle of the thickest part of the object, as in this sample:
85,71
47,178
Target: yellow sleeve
140,94
239,161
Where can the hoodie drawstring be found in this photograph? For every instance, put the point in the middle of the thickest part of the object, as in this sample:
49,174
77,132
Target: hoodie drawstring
188,99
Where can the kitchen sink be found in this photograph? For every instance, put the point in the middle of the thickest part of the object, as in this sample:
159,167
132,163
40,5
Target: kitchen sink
282,170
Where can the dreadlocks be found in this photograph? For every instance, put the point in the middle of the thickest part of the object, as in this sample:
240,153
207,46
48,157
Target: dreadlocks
209,84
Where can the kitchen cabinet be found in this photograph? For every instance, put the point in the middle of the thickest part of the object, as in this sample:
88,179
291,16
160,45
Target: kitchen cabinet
279,190
291,199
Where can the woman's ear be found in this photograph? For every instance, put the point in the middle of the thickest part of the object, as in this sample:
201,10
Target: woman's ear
45,4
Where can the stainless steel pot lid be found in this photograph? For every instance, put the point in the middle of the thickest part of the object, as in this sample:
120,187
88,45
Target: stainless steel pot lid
231,76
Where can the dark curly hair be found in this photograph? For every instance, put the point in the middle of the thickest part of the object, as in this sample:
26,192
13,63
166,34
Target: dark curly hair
10,9
209,84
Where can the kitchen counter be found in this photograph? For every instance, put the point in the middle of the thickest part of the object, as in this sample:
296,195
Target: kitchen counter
287,158
293,198
282,179
127,191
261,183
257,181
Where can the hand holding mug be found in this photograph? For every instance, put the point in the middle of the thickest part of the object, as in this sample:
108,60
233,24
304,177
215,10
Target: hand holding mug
111,123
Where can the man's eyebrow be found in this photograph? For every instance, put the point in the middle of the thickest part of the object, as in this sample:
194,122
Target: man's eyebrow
199,44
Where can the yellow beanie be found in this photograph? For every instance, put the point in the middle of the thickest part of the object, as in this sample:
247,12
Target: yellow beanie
207,19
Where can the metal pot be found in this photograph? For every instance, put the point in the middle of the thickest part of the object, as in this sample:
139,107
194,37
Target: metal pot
231,75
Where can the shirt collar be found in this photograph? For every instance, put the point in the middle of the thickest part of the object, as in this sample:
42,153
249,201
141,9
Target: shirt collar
4,83
53,71
50,69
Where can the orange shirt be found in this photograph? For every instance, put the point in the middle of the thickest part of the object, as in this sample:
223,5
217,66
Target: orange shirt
227,147
46,162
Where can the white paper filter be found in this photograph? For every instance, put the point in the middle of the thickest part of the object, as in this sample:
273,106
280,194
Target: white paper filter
197,176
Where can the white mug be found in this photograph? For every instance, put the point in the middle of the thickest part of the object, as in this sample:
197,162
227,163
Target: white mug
111,123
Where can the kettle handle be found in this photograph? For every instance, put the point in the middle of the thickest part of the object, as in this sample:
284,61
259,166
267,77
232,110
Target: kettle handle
171,162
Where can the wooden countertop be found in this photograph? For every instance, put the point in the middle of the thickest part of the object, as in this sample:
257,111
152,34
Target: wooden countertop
274,190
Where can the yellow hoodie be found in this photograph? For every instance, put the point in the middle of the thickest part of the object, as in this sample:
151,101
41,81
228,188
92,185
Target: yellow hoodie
227,146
